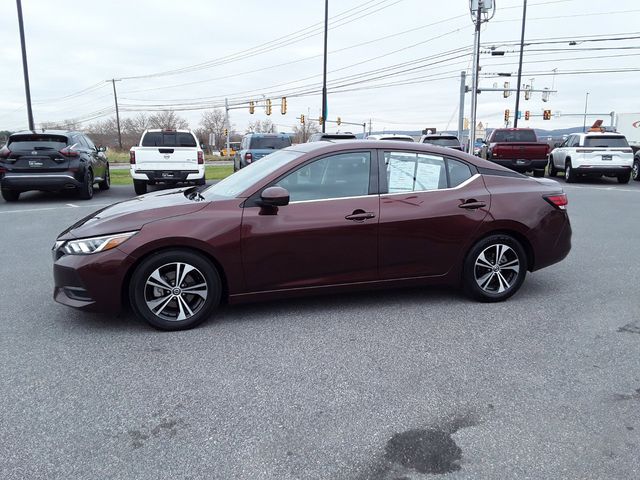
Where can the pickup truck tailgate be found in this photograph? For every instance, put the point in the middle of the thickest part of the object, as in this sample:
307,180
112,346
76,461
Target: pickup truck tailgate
166,158
524,151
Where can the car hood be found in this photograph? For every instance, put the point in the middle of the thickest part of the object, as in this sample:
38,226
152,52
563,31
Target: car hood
133,214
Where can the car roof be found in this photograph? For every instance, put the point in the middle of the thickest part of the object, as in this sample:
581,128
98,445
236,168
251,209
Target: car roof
439,135
597,134
388,136
267,135
179,130
46,132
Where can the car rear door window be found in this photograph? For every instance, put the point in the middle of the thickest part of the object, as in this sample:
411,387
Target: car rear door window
414,172
335,176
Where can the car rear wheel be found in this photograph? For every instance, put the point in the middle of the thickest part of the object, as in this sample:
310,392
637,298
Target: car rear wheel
569,175
624,178
553,171
105,184
635,170
140,186
85,192
175,289
10,195
495,268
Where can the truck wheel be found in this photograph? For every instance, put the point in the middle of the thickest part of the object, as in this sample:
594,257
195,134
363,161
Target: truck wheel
538,173
10,195
624,178
85,191
553,172
569,175
140,186
201,181
635,170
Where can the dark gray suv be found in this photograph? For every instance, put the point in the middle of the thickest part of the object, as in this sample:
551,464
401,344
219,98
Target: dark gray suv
52,161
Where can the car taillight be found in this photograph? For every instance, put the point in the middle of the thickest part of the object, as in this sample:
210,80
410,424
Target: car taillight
559,201
5,152
69,152
200,158
132,157
248,157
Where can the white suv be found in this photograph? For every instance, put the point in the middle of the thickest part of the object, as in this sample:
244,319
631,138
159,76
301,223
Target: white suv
594,154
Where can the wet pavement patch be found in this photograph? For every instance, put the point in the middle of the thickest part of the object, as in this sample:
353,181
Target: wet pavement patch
426,451
627,396
630,328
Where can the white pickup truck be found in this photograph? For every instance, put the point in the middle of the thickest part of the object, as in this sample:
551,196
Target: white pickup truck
166,156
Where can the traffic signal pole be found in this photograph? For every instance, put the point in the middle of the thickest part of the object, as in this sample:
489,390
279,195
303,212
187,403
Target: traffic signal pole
524,18
474,81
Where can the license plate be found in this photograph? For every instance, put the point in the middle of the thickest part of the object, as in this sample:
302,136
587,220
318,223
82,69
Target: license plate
167,174
606,157
36,163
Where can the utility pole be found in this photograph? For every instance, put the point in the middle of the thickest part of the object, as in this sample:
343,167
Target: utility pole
25,68
324,74
226,121
474,80
463,90
115,97
586,103
524,19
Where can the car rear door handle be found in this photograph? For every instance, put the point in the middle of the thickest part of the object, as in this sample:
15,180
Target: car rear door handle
360,216
472,204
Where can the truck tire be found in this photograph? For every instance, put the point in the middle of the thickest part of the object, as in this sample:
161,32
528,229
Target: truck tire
140,186
85,191
624,178
538,173
553,171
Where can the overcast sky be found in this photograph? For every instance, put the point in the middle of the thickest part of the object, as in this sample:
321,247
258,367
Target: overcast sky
77,45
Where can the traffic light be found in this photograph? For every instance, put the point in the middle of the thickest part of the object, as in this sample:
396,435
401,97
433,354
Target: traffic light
507,115
320,119
527,114
546,115
527,92
226,132
252,107
506,91
302,119
268,106
283,106
338,120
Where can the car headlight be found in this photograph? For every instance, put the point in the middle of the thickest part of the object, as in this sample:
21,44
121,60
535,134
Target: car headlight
86,246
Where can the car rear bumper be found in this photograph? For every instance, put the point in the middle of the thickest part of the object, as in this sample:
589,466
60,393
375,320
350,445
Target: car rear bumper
602,169
39,181
550,249
521,165
91,282
168,176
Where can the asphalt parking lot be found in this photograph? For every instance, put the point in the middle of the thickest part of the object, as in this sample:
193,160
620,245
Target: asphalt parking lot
361,386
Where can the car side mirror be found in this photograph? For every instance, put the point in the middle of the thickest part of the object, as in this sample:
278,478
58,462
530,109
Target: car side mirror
274,197
102,149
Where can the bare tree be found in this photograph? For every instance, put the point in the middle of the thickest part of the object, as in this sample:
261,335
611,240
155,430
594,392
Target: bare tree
167,119
302,132
69,124
213,121
261,126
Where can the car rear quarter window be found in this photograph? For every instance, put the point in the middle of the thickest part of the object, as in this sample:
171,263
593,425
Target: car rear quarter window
414,172
37,142
275,143
169,139
605,141
459,172
505,136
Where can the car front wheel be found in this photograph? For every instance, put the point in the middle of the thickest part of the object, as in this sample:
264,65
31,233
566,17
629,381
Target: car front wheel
494,268
105,184
10,195
624,178
175,289
569,174
635,170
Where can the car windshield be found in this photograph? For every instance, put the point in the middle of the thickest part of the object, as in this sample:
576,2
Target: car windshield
168,139
602,141
37,142
235,184
443,141
515,136
274,143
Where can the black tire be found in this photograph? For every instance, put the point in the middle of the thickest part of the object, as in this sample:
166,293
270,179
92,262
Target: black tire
635,170
85,191
105,184
10,195
538,173
569,174
161,308
202,181
624,178
485,283
140,186
553,171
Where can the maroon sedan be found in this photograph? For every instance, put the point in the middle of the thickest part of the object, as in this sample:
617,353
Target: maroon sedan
315,218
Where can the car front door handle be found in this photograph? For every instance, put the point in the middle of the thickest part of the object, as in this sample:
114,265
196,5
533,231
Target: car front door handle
360,216
472,204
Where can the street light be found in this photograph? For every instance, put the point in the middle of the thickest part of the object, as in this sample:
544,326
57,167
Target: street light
524,19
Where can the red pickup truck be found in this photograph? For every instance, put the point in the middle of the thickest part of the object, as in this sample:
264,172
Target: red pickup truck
517,149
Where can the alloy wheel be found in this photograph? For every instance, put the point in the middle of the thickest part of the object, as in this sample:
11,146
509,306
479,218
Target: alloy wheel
175,291
635,170
496,268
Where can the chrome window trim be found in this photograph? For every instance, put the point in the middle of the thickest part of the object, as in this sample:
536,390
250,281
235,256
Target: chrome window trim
334,198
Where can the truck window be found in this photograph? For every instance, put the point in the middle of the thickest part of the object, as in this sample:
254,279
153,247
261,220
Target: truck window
168,139
602,141
507,136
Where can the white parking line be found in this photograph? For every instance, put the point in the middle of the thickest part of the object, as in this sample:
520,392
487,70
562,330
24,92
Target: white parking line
56,208
72,205
616,189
